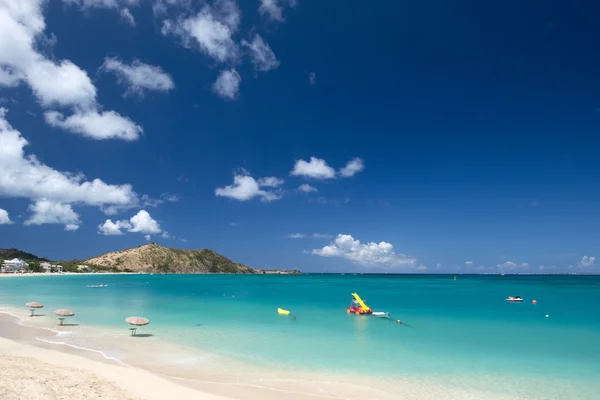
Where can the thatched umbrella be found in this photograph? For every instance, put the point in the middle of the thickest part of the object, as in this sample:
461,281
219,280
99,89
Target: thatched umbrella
137,321
32,305
62,313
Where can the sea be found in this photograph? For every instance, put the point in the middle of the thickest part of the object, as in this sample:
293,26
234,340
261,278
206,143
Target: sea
453,334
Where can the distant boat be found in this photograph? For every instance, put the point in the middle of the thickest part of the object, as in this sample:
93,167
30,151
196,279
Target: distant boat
96,286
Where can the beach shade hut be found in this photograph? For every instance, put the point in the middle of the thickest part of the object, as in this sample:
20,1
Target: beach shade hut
32,305
63,313
136,321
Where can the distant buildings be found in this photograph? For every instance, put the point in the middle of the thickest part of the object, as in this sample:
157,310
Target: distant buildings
13,266
82,268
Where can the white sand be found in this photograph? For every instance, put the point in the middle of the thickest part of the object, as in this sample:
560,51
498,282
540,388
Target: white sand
28,372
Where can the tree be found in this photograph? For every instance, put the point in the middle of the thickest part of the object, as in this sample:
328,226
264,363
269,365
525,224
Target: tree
35,266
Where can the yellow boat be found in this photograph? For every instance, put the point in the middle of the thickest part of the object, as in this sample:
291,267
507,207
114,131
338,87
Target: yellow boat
281,311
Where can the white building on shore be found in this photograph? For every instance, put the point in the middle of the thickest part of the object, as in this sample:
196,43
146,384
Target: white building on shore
14,265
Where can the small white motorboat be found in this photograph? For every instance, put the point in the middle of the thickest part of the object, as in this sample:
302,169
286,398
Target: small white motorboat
96,286
381,314
514,299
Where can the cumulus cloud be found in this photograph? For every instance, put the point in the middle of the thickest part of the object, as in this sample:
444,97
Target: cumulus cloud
142,222
109,228
4,218
138,76
165,235
469,263
587,261
273,9
246,188
210,30
53,212
316,168
312,78
367,254
227,85
24,176
58,83
96,125
127,16
263,58
353,167
270,181
306,188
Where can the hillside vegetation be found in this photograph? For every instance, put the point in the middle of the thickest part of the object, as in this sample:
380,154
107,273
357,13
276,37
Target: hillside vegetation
158,259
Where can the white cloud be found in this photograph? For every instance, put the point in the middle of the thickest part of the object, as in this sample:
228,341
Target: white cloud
25,176
469,263
316,168
127,16
353,167
85,4
312,78
71,227
263,58
53,212
109,228
4,218
148,237
306,188
211,30
165,235
138,76
62,84
314,235
227,84
164,198
512,265
54,83
270,181
245,188
273,9
368,254
142,222
321,236
587,261
96,125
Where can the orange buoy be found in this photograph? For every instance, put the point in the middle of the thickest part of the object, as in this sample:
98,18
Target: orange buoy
534,302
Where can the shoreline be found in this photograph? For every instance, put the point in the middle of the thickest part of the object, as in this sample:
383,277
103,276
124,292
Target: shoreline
30,274
111,375
33,371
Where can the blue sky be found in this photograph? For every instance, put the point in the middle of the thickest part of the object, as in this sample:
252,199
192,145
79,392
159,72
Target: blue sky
432,138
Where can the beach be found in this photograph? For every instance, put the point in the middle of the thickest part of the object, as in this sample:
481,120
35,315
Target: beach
37,372
221,336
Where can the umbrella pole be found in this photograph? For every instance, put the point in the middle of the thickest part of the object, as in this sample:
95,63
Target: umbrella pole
32,311
61,321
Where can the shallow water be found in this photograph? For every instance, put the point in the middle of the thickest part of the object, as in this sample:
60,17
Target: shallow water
460,333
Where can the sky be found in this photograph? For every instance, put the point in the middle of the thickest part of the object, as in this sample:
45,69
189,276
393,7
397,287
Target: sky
324,136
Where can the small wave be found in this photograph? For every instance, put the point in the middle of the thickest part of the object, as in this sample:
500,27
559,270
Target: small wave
106,356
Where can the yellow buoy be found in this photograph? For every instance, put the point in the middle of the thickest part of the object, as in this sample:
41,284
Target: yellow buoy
281,311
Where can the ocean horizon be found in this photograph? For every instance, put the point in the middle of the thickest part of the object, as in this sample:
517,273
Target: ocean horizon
459,334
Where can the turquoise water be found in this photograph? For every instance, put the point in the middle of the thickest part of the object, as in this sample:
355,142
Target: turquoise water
462,327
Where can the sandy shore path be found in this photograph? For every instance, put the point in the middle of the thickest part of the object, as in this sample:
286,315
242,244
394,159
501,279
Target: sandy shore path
35,373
